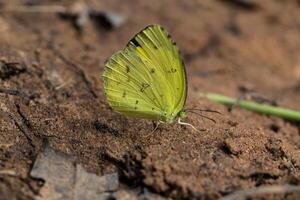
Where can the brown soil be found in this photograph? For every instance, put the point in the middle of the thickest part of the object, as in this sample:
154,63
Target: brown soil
56,94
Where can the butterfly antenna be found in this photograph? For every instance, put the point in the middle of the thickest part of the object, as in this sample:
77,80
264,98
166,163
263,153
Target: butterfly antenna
187,124
203,110
211,119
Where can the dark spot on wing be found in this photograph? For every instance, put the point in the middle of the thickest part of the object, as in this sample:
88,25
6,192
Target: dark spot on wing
155,47
124,94
135,42
152,70
144,87
137,101
127,69
135,108
173,70
152,108
143,34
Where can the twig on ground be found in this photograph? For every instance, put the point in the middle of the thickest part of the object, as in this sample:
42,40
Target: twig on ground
79,13
8,172
274,189
36,9
15,93
75,67
288,114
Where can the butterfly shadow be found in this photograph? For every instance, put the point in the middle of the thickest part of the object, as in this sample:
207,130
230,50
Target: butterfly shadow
103,127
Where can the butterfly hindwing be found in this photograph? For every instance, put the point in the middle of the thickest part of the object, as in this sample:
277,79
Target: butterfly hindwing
146,79
126,87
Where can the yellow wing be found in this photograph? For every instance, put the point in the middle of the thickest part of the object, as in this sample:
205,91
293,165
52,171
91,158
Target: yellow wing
147,79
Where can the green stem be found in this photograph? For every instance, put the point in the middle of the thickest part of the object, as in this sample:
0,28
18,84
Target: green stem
261,108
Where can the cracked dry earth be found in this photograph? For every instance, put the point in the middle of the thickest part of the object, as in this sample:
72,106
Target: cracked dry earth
50,89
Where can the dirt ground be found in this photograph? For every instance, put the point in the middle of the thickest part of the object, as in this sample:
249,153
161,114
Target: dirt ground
51,90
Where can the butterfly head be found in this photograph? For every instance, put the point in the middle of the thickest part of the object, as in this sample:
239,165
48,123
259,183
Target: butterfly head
181,114
170,117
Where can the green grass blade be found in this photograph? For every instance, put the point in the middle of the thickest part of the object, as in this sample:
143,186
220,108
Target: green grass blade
288,114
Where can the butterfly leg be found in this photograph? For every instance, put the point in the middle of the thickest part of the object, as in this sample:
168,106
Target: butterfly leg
187,124
155,124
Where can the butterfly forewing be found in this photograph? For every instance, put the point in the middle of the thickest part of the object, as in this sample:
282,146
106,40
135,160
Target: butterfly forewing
146,79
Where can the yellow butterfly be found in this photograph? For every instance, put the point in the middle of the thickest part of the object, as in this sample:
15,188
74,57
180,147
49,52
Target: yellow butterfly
147,79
